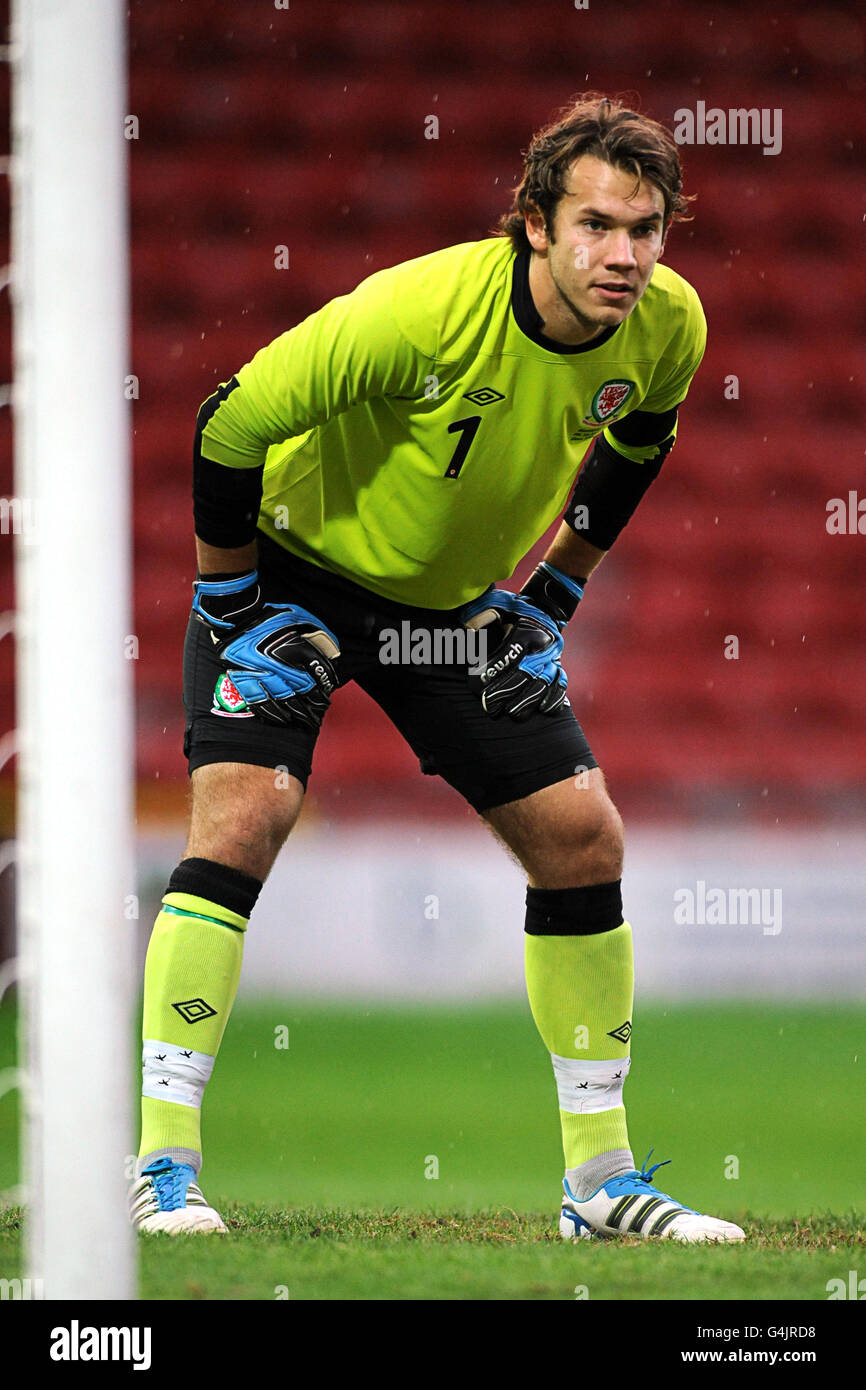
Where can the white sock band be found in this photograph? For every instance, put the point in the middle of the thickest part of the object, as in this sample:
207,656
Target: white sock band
173,1073
586,1087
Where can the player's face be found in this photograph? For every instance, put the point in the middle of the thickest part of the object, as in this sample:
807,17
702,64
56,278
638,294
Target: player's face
606,239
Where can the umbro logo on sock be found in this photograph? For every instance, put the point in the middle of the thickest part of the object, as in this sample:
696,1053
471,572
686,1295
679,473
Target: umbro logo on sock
194,1010
622,1033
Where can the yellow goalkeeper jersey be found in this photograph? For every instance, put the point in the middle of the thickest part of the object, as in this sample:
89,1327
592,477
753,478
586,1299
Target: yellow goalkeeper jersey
420,434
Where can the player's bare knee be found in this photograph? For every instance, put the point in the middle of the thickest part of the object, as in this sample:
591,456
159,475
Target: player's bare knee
585,847
595,838
242,815
609,840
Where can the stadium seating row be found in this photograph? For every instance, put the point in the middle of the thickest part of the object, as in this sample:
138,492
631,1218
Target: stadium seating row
305,126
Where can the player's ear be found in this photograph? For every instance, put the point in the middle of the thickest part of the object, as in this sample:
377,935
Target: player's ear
536,228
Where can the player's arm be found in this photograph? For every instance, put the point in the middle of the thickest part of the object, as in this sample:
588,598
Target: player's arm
625,460
627,456
572,555
280,658
522,673
352,349
226,502
211,559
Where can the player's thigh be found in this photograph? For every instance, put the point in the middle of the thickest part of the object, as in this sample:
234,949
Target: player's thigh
242,814
492,763
565,835
248,776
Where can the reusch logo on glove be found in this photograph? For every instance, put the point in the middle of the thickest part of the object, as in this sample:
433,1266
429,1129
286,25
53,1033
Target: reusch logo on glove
228,700
514,653
322,676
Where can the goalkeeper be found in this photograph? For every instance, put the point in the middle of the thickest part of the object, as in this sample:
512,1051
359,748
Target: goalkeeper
389,459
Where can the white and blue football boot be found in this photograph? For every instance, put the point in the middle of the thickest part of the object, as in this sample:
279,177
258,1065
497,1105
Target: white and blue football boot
630,1206
166,1197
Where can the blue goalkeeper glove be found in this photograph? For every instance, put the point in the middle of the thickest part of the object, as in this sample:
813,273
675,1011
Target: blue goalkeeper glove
225,602
278,655
521,674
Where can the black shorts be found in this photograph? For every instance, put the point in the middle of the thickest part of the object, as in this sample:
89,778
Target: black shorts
489,761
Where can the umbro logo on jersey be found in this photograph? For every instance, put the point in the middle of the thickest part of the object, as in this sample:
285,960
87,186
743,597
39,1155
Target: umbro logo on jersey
623,1032
485,395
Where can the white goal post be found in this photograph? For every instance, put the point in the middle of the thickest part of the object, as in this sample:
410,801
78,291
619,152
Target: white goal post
75,861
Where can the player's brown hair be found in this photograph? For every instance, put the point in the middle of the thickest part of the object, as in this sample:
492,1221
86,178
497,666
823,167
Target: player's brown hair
601,126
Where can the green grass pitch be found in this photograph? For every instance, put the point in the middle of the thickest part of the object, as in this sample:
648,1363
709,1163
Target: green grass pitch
414,1153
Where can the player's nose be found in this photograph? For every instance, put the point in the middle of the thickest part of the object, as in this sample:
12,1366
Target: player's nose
619,250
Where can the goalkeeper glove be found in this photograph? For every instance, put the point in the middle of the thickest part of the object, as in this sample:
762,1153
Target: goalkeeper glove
279,657
224,602
522,674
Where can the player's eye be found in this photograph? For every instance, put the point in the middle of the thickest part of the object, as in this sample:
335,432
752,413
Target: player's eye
593,224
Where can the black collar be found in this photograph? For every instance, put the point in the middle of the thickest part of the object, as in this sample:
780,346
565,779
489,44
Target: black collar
528,319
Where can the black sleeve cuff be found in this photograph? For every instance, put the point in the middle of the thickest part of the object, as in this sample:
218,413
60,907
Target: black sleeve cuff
226,503
643,427
607,492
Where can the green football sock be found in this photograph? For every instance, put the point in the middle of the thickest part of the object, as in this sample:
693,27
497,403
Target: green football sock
581,992
190,980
